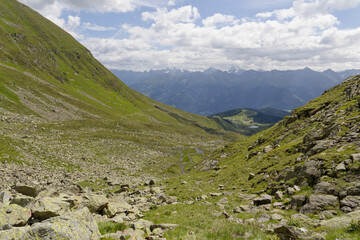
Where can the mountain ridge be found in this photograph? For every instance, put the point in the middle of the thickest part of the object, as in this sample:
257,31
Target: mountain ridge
214,91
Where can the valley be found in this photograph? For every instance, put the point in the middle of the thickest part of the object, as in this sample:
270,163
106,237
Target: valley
85,157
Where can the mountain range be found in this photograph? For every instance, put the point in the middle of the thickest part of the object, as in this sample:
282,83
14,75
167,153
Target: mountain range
213,91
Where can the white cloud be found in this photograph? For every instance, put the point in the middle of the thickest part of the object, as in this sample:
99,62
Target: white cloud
184,14
219,19
305,34
95,27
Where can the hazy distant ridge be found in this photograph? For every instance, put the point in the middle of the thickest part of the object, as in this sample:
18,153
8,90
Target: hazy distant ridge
213,91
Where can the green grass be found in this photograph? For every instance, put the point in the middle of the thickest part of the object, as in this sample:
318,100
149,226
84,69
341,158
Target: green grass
111,227
197,222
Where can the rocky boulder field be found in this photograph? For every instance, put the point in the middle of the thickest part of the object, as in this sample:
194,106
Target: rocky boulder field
35,212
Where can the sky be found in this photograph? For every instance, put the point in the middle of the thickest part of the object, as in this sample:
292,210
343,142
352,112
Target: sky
196,35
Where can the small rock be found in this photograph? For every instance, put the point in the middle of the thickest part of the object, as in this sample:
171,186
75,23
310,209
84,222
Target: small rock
237,210
290,191
277,217
355,157
341,167
268,148
5,197
215,194
251,176
279,195
262,200
223,201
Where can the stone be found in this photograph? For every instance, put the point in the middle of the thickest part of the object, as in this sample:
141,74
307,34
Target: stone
290,191
203,197
158,231
278,205
268,148
262,200
151,182
27,190
47,207
297,201
141,224
263,218
115,207
251,176
14,215
319,202
325,188
341,167
5,197
237,210
289,232
23,201
339,222
223,201
14,233
247,197
276,217
215,194
351,202
163,226
355,157
245,208
279,195
133,234
155,190
305,220
78,225
96,203
311,170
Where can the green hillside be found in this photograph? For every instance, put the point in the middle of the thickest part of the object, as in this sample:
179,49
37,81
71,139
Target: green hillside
307,163
249,121
62,110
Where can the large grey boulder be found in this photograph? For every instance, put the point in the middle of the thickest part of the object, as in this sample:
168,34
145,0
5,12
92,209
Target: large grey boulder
297,201
319,202
325,188
96,203
47,207
294,233
27,190
116,207
78,225
350,203
13,215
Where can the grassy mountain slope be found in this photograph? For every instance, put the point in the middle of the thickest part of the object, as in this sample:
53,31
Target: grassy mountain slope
61,110
315,149
249,121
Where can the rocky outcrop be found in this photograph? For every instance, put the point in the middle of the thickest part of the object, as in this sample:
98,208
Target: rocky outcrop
319,203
